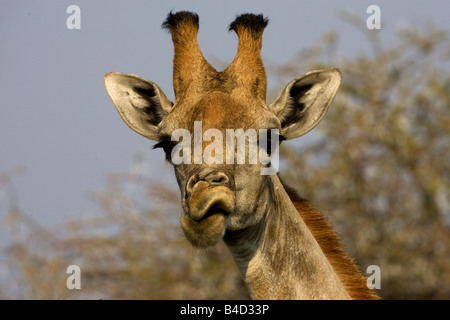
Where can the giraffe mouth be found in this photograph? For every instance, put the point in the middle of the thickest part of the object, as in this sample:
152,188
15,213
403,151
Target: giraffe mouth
214,209
209,201
205,216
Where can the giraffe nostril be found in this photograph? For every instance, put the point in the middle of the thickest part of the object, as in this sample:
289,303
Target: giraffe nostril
216,178
199,182
191,183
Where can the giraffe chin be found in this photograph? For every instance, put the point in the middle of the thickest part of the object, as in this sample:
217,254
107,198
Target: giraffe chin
206,232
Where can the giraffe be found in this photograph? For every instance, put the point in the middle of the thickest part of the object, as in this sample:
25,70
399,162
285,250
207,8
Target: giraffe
282,246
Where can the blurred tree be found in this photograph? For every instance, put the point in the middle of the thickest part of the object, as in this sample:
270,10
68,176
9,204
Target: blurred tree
379,161
378,164
133,250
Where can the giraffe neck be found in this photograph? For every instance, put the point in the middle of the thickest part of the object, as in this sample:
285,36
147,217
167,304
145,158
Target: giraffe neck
280,259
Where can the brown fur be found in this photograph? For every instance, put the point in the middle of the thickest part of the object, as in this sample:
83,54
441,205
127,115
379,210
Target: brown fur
244,78
350,276
247,66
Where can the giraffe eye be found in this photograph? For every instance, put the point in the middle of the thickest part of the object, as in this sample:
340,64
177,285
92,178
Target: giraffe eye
271,136
167,146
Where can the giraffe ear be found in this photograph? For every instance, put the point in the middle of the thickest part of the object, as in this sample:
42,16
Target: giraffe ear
141,103
305,100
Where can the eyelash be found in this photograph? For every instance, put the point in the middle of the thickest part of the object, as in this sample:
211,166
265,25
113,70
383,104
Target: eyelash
167,146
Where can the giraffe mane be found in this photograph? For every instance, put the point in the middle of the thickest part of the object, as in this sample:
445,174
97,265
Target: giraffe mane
349,274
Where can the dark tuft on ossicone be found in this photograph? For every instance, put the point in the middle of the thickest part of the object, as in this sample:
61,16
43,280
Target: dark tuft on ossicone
174,19
254,23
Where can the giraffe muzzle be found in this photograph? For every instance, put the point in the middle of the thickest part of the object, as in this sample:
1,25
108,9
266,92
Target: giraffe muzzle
209,202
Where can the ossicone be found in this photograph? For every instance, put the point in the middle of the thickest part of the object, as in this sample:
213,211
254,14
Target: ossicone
173,20
255,24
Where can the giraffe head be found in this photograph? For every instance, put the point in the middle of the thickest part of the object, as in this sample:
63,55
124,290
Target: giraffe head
213,109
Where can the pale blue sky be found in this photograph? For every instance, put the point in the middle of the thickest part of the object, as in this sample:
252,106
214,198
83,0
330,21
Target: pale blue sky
56,119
